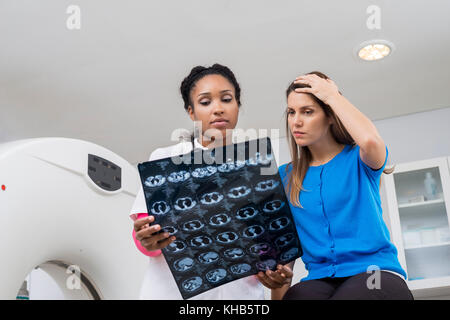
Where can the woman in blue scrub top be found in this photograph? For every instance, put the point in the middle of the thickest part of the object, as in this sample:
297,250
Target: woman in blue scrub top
332,184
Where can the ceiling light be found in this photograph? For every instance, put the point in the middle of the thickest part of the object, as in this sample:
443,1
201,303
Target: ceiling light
374,50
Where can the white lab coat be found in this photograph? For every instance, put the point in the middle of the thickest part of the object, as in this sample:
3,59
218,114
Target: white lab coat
158,281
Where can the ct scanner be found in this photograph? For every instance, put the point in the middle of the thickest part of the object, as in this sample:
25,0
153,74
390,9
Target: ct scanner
64,206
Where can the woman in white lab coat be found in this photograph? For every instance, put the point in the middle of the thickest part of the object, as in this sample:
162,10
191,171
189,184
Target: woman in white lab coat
211,96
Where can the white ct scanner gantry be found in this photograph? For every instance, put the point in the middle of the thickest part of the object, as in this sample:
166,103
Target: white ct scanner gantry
64,206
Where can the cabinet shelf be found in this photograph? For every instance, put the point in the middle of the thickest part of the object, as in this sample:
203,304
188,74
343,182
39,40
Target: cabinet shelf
423,288
432,245
419,204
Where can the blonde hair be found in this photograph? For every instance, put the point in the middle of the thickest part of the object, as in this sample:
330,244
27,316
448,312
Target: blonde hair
301,156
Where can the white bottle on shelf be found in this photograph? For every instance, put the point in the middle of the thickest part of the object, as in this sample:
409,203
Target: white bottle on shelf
430,186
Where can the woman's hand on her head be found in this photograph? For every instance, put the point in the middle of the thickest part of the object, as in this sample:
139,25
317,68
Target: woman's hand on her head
148,234
323,89
276,279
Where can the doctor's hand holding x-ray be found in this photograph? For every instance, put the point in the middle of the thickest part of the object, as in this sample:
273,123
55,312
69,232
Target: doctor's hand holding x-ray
280,279
148,234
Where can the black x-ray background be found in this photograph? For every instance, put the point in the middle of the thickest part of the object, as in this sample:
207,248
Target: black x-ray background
230,223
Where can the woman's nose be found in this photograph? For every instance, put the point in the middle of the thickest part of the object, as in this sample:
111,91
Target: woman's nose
298,122
218,108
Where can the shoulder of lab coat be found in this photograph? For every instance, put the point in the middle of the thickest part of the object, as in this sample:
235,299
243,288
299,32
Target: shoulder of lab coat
139,205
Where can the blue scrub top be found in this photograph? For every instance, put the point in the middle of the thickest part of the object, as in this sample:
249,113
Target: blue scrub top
340,226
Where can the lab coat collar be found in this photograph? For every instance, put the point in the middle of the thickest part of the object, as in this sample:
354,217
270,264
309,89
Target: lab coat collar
198,145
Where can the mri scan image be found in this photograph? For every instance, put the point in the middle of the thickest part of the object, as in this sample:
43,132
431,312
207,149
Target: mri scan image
192,284
216,275
279,223
234,253
253,231
273,206
219,220
227,237
260,249
266,185
285,240
246,213
240,268
183,204
160,207
208,257
239,192
175,247
230,217
170,229
183,264
231,166
289,254
266,264
211,198
192,225
263,159
200,241
155,181
204,172
179,176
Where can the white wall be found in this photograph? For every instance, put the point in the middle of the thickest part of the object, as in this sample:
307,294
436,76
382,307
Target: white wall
417,136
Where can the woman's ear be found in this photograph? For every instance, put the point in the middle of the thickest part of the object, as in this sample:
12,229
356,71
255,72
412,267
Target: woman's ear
190,111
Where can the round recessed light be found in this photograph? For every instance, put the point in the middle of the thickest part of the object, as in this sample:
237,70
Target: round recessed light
374,50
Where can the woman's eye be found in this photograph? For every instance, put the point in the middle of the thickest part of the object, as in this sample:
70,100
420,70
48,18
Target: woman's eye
307,112
204,102
227,99
290,112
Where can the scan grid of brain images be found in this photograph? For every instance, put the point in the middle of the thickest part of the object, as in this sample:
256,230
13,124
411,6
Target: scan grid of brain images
231,218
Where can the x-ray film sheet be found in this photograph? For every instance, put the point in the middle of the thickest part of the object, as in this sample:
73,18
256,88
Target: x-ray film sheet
229,214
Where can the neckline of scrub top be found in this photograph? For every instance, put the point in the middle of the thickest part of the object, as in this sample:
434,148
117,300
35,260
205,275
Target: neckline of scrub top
332,159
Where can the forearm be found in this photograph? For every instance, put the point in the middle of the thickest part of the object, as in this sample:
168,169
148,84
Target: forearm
360,127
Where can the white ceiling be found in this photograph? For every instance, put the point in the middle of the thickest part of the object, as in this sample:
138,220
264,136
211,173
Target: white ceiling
116,81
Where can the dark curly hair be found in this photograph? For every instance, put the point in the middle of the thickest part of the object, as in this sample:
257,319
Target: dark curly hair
199,72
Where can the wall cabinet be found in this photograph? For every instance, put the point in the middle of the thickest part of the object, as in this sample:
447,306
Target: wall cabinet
418,203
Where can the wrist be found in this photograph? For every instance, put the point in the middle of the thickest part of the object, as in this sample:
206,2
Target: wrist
154,253
333,99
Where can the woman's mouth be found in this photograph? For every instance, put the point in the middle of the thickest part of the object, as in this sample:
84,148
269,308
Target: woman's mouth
219,123
298,134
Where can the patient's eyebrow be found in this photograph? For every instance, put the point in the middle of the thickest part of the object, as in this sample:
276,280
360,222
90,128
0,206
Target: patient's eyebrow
304,107
301,108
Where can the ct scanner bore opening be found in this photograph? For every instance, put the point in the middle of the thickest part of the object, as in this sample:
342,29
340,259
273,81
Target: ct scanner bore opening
58,280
